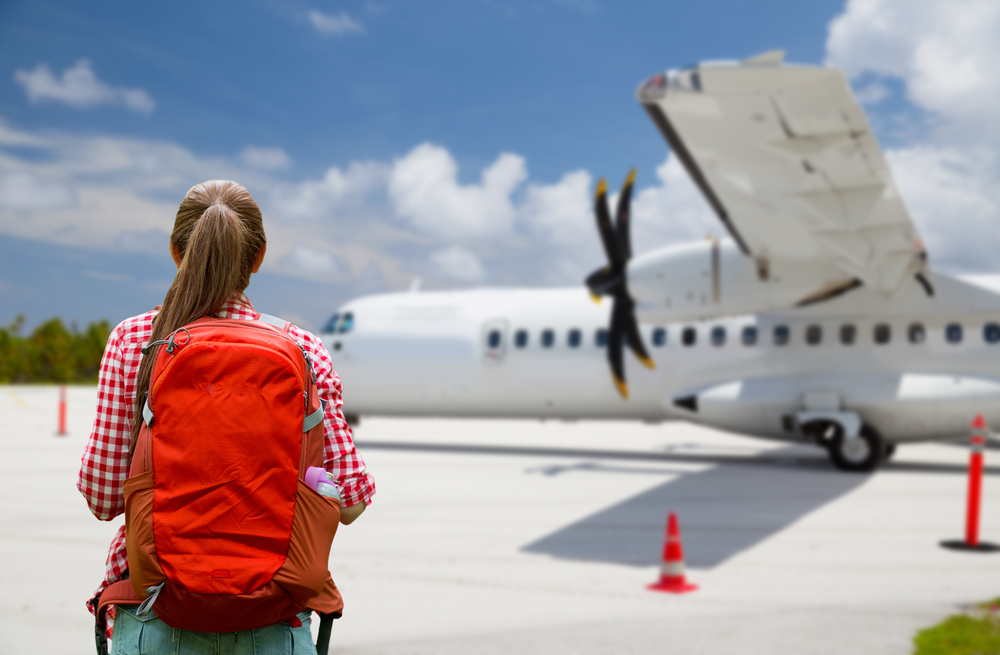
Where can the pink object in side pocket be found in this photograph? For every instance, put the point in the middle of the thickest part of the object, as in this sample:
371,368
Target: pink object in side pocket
315,474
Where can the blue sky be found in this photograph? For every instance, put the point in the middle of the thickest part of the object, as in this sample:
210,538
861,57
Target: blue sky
109,111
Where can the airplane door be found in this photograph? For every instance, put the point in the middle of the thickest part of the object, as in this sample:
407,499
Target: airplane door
494,340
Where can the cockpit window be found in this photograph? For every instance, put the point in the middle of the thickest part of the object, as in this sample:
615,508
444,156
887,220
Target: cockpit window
331,325
346,323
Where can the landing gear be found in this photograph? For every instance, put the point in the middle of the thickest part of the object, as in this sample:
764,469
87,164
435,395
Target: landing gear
862,453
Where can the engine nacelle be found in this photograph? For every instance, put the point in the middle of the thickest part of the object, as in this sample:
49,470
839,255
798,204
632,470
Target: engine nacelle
712,278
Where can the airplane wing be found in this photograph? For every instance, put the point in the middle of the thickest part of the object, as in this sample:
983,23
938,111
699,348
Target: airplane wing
786,158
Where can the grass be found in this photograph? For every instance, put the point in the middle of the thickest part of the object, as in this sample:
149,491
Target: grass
976,632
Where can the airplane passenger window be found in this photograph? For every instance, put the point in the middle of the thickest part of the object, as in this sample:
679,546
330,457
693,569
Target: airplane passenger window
814,335
574,338
660,337
493,339
917,333
346,323
601,338
781,334
718,336
521,338
331,325
847,334
689,336
953,333
548,338
991,333
883,333
749,335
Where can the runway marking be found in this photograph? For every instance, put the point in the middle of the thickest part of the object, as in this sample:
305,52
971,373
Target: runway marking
17,399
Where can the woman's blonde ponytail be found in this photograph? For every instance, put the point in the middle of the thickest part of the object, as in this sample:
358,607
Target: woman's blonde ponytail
219,234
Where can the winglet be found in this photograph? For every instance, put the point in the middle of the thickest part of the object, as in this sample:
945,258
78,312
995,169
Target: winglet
769,58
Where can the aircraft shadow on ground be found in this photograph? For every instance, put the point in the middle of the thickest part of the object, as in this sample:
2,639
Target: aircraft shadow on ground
723,511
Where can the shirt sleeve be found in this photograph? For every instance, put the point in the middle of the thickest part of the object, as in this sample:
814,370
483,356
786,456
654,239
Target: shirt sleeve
342,459
104,465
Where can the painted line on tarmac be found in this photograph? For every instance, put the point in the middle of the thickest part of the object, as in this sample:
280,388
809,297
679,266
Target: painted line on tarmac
775,458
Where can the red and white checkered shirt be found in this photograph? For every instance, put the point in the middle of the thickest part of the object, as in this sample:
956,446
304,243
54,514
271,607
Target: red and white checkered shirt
105,460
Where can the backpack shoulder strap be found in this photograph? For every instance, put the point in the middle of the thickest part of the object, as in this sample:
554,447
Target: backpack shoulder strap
281,324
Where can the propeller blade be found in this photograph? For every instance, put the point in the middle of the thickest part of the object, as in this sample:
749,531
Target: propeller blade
611,246
632,335
619,313
623,217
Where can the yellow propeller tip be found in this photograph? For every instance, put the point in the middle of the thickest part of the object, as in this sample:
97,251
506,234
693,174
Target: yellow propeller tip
602,187
596,298
647,362
631,178
622,387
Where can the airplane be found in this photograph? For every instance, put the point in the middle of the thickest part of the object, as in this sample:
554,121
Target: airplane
818,319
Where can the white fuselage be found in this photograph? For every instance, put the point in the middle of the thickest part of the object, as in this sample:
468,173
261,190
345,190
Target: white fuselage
457,354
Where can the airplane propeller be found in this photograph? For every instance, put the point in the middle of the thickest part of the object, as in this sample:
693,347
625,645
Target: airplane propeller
610,280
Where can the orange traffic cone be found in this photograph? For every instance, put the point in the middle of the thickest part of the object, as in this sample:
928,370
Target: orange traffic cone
672,570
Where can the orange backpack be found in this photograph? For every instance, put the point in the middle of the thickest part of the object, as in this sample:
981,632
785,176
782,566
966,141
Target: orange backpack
222,532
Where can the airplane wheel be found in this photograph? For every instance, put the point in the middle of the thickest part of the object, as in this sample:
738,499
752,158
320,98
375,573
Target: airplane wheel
862,454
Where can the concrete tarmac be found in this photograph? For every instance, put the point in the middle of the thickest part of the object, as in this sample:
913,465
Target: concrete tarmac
521,536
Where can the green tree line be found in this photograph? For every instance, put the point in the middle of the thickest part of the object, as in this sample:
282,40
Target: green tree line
52,352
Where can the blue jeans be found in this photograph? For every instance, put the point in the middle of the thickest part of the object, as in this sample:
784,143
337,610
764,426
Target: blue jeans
148,635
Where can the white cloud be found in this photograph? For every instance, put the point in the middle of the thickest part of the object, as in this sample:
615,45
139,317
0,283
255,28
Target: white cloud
265,159
561,212
25,191
80,88
672,212
424,190
375,222
338,24
950,193
872,93
945,52
458,263
311,260
336,190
